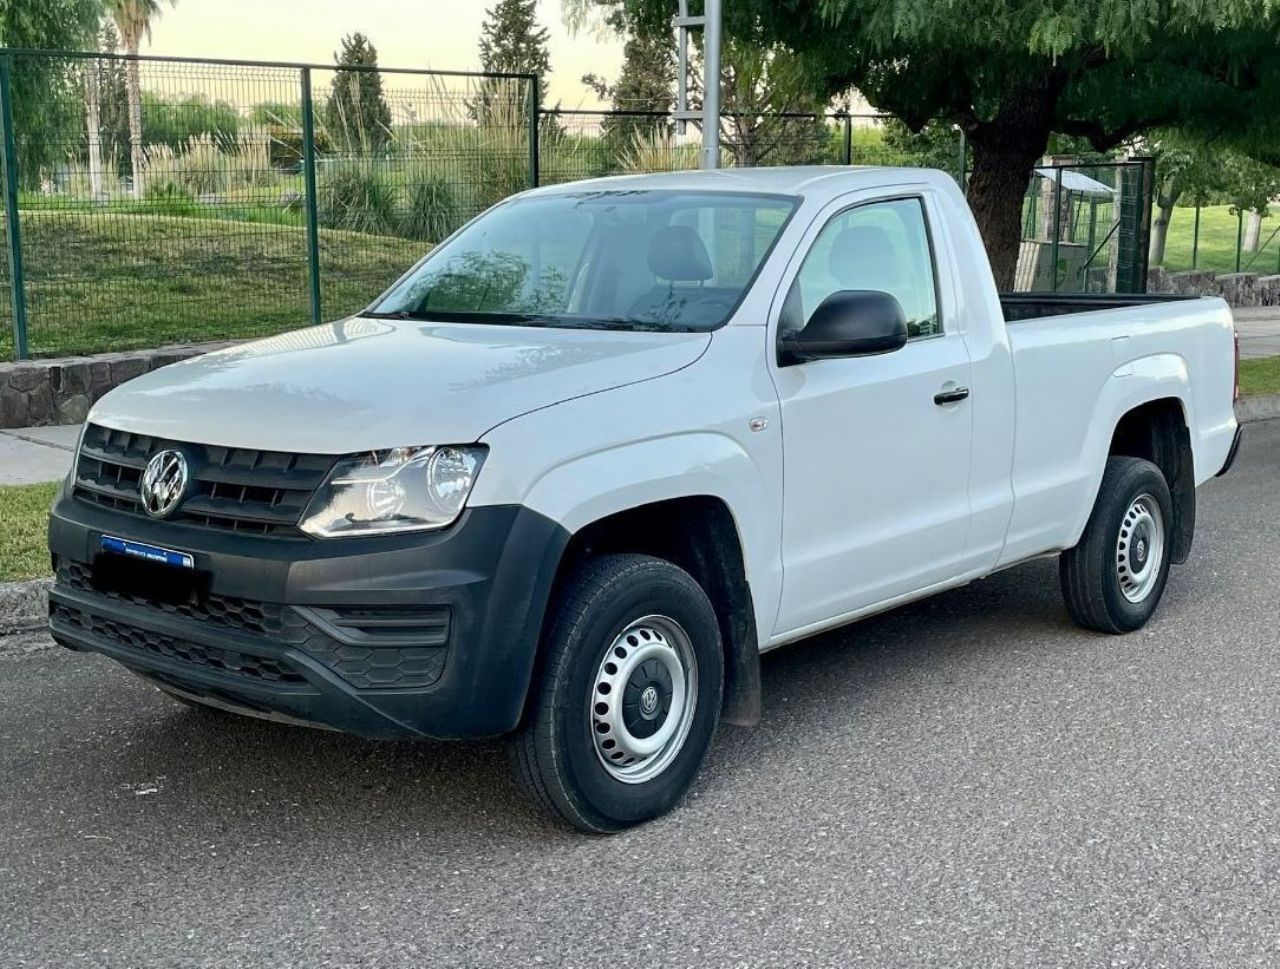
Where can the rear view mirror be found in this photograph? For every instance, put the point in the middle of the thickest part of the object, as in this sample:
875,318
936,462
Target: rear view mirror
848,323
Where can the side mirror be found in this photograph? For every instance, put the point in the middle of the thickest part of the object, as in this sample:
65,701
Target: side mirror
849,323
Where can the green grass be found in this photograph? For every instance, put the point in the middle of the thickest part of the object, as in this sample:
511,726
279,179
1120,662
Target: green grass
24,510
1217,248
125,281
1260,376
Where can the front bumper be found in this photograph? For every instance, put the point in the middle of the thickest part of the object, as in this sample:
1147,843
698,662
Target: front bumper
433,634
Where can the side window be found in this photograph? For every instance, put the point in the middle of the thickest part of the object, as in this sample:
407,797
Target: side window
882,246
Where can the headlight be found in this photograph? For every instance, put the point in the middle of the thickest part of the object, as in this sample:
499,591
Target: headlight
402,490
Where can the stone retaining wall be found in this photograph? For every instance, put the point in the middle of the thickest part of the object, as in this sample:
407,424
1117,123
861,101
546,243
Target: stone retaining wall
34,393
1238,289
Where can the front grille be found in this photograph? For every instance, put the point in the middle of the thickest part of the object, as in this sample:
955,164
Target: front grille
145,641
226,611
385,648
235,489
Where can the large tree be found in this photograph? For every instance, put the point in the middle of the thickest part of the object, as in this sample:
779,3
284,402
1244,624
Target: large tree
512,42
1012,72
46,99
133,20
645,83
357,114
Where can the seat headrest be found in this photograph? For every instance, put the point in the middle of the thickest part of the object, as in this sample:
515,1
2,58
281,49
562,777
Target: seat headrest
676,253
862,256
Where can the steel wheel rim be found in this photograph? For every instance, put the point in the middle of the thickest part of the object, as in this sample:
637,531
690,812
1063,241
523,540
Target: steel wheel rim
1140,548
643,699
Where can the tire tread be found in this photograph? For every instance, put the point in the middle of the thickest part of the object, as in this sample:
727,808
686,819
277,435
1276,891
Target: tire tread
533,750
1084,570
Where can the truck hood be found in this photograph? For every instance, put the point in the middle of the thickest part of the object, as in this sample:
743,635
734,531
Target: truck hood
362,384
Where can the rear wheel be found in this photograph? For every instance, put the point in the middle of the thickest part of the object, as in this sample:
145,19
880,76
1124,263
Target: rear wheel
629,695
1113,579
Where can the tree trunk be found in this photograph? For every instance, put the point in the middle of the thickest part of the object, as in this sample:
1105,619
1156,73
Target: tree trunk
1160,224
1159,235
1005,151
93,127
1252,230
133,85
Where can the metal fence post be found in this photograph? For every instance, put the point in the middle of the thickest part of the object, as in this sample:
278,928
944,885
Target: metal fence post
1239,235
1195,239
309,190
1057,224
534,128
13,221
964,163
848,140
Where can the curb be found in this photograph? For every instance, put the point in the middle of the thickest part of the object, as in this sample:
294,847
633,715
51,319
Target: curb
1250,409
24,616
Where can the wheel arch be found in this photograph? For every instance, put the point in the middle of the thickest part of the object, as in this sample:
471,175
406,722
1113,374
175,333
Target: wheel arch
699,534
1159,431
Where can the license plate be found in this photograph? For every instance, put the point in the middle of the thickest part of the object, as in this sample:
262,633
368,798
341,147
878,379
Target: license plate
147,553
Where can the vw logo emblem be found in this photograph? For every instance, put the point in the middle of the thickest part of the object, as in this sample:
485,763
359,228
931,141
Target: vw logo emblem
649,700
164,482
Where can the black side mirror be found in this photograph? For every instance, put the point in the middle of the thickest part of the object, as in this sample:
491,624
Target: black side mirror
849,323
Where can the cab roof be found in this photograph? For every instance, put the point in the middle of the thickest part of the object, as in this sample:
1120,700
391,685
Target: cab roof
782,180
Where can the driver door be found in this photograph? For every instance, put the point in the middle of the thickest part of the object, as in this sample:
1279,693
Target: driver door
876,448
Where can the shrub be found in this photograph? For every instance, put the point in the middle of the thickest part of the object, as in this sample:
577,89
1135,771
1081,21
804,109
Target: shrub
162,172
175,121
354,196
200,166
658,151
432,208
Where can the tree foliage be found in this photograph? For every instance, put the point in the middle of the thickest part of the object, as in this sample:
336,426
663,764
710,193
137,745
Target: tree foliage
762,85
512,42
113,96
46,95
1012,72
357,115
645,83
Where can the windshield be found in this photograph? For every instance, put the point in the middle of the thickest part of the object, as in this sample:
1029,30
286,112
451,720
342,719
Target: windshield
660,260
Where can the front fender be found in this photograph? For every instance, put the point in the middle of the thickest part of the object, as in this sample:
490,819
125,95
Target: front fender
594,486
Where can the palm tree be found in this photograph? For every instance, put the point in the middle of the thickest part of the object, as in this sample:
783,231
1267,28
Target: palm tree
133,20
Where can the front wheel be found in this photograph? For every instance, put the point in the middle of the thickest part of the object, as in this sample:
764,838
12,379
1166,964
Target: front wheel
629,695
1113,579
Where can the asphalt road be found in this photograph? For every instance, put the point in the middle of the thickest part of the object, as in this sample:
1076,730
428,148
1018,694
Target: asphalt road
968,782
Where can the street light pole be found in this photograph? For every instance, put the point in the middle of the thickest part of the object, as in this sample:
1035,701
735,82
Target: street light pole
709,116
711,85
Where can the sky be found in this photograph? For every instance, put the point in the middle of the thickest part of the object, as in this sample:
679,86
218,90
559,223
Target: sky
440,34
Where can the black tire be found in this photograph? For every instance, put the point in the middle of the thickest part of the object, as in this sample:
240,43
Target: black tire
1092,576
555,754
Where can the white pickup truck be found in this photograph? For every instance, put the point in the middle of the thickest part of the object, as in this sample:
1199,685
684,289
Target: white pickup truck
579,467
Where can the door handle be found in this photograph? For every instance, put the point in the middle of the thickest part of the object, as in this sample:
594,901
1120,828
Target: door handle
951,396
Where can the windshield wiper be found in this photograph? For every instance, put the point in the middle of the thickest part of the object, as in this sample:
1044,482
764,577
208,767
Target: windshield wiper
398,315
531,319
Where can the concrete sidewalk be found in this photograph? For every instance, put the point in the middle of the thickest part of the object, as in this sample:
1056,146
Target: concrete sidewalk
31,455
1259,329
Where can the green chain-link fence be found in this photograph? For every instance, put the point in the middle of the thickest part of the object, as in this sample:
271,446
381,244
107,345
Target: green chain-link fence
263,195
1086,228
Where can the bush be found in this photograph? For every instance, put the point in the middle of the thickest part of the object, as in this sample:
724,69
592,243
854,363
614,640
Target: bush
432,208
200,166
174,122
354,196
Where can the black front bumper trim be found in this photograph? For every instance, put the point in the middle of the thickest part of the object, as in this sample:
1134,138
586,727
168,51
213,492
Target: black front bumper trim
484,582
